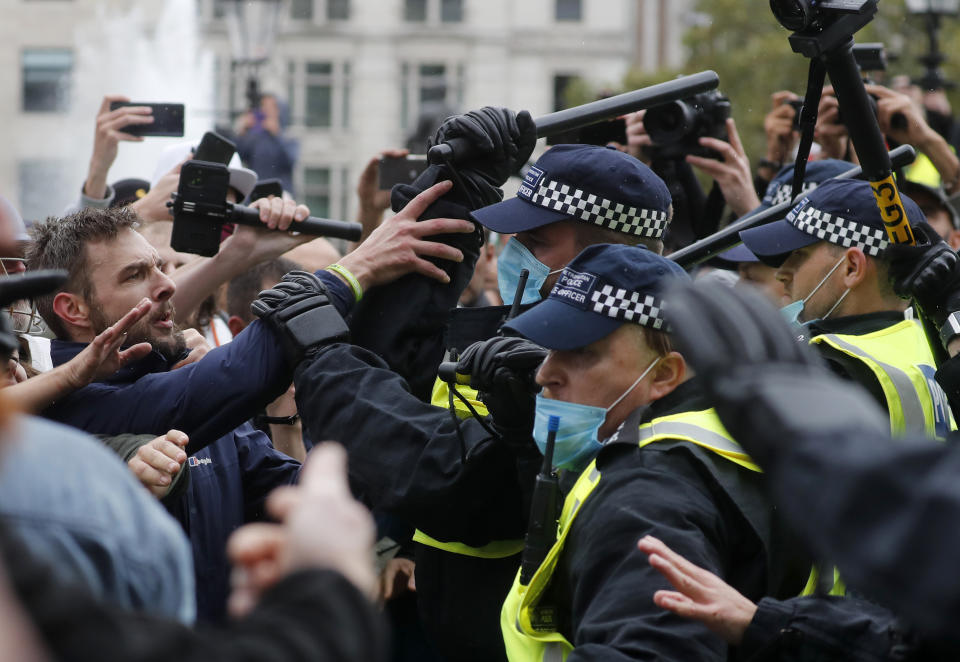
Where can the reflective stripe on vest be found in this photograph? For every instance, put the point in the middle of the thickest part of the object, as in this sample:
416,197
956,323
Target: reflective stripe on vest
702,428
529,629
837,587
900,358
498,549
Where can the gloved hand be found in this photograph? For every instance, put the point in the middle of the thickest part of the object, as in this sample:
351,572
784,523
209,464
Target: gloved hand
927,272
299,311
768,389
502,141
502,370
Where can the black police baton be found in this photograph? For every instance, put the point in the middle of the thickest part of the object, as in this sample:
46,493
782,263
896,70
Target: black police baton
728,237
457,149
30,285
16,288
542,530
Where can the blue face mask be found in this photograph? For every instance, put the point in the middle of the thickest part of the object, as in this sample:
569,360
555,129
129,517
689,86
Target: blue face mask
791,312
512,259
576,441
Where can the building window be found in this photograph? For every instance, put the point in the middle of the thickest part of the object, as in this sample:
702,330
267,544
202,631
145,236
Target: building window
301,10
415,10
451,11
46,187
319,94
219,8
338,10
433,83
46,79
569,10
316,190
561,84
428,86
345,91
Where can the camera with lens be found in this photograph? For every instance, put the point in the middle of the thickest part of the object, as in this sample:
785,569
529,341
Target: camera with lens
675,128
822,25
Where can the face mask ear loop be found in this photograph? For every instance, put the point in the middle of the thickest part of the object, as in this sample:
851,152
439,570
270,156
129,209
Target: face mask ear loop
839,301
634,385
820,284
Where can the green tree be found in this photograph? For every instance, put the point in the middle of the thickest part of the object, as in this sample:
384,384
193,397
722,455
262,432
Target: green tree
742,41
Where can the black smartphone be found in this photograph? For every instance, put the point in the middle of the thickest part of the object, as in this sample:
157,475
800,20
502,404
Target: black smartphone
601,133
400,169
201,196
797,106
265,188
215,149
167,119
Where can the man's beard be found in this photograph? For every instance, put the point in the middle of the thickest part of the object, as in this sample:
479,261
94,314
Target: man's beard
171,347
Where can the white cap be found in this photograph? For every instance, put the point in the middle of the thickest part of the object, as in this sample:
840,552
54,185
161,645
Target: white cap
242,179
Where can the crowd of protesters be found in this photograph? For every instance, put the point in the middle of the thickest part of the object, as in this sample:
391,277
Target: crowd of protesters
252,456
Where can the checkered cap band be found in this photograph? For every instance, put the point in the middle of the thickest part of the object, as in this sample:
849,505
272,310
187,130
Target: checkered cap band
784,193
621,304
839,231
593,209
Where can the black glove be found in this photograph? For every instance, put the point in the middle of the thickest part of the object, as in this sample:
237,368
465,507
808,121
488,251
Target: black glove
502,141
768,389
927,272
299,311
503,371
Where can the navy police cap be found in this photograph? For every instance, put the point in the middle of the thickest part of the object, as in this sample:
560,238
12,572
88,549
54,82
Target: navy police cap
605,286
599,186
780,190
840,211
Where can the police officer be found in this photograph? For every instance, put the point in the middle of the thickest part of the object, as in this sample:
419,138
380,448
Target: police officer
641,452
463,483
780,190
830,252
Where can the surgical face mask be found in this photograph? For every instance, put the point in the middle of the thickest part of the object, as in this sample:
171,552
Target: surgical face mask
576,442
791,312
512,259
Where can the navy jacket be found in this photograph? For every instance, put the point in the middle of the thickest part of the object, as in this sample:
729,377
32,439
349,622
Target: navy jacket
232,465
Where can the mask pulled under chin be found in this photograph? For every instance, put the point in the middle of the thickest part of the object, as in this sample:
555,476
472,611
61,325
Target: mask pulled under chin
577,440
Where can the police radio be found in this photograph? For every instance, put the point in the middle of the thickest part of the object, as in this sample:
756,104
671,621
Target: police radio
542,530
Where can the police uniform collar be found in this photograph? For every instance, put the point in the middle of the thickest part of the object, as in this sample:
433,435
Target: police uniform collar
688,396
855,324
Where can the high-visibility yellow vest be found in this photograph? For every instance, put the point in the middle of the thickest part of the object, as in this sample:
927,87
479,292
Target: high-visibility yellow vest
923,171
900,358
498,549
530,632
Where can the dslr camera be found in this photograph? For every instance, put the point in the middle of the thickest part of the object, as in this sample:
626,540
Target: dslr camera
675,128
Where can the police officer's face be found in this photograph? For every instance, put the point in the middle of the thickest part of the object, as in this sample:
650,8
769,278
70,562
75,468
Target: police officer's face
122,272
555,245
601,372
803,271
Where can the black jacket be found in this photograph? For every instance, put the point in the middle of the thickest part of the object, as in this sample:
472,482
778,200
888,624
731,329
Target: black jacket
454,481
